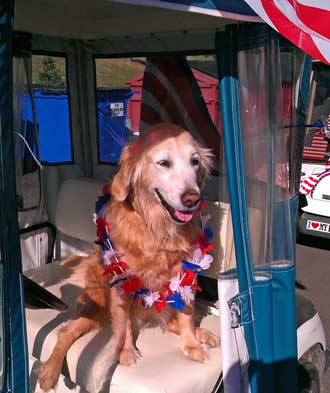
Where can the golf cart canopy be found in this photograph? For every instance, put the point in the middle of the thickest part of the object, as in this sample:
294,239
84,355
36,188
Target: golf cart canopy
83,19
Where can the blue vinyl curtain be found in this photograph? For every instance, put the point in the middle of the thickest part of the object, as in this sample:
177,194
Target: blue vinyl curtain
259,157
14,375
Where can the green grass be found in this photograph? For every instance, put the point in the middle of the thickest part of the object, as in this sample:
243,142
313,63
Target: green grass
115,73
110,73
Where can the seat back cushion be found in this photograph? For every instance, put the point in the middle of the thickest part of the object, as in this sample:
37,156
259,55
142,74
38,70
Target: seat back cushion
76,206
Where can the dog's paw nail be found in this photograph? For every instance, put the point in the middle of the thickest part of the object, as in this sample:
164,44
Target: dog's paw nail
194,353
206,337
48,377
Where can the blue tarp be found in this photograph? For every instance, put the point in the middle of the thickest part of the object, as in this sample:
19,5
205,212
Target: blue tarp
53,114
112,131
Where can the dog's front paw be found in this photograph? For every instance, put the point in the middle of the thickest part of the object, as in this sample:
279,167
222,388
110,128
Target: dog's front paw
48,376
194,352
206,337
129,356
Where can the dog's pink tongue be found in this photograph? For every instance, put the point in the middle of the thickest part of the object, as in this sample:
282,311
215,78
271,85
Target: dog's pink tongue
183,216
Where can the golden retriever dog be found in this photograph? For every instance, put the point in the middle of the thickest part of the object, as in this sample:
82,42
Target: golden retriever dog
154,225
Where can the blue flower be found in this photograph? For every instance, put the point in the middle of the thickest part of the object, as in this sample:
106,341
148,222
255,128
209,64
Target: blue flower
176,301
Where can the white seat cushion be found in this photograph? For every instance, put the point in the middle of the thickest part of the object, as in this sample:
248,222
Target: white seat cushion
90,363
76,206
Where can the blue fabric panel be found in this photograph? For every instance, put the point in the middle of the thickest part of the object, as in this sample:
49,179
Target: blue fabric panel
275,317
234,6
285,333
261,368
14,357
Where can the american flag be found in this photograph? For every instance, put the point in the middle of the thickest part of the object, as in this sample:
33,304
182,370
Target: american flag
171,94
315,146
306,23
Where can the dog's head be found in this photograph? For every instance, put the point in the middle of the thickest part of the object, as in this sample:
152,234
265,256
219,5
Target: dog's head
162,173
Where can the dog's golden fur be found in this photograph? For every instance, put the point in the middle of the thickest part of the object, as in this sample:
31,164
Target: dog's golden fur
152,244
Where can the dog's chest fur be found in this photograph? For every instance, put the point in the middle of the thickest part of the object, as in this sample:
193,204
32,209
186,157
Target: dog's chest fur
153,256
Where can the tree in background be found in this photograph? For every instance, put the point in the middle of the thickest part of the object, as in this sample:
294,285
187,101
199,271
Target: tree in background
49,74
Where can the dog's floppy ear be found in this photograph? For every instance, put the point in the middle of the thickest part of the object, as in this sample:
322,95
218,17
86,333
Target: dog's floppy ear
121,183
206,162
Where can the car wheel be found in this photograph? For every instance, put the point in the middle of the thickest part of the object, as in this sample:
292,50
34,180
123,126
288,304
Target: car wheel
308,377
310,370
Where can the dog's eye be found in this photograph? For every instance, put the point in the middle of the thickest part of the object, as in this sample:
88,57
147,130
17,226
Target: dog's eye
164,163
194,161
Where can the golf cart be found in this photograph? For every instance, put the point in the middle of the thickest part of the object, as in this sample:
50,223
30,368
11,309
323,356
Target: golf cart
63,142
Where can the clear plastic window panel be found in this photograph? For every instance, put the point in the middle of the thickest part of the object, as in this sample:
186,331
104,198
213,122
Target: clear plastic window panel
265,102
317,138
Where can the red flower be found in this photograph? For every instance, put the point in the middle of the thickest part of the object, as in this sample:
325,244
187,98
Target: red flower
161,302
188,278
132,285
101,227
106,189
197,287
167,287
115,268
207,248
202,240
201,206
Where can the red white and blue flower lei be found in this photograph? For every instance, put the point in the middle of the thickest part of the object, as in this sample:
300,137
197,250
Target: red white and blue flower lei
178,292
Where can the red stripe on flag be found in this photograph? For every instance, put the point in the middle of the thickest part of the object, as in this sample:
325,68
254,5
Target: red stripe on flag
164,97
289,30
177,75
316,19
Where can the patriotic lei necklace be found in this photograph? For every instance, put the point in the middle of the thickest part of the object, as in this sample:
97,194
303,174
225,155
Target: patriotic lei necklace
178,292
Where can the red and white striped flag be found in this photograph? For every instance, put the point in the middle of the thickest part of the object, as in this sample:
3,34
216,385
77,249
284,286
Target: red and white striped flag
171,94
308,183
306,23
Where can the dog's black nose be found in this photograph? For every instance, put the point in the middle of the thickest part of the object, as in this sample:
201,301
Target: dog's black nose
190,198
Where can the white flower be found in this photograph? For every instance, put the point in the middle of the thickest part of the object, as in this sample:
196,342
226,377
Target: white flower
150,298
175,283
119,277
206,261
109,256
197,256
204,220
202,260
186,293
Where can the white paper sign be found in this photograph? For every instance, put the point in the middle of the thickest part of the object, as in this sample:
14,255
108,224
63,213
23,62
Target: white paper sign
117,109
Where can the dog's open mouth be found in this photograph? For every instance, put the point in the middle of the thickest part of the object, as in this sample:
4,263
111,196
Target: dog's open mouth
179,216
